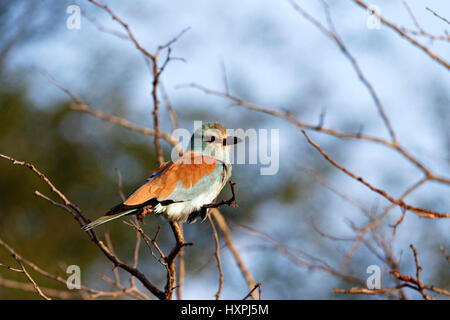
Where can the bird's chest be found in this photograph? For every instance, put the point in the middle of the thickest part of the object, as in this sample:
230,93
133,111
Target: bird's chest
211,193
205,195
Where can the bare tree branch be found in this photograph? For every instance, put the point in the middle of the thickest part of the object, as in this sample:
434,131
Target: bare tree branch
36,287
333,132
257,286
420,211
335,37
407,282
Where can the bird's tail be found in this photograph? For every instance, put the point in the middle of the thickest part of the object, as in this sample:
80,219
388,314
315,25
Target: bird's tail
107,218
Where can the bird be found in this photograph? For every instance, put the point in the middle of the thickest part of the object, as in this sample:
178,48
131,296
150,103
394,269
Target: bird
180,189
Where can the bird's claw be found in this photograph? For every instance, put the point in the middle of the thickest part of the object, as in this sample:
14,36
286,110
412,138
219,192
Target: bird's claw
146,210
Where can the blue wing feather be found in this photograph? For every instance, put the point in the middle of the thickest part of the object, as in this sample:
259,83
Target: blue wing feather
204,184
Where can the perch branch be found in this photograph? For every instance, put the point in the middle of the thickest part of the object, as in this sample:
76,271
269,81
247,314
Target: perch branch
420,211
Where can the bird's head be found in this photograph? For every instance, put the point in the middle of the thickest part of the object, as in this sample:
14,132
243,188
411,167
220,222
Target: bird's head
212,140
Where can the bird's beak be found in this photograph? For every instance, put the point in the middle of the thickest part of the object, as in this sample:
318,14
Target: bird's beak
231,140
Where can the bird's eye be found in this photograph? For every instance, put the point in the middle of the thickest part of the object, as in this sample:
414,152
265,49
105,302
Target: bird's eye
209,139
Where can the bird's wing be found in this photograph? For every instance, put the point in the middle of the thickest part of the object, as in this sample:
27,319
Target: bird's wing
181,180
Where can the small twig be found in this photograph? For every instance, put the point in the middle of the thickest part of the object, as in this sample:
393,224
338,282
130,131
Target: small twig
22,267
11,268
119,184
224,77
43,272
217,254
335,37
408,281
79,105
444,251
124,25
83,220
413,18
149,242
28,287
101,28
440,17
42,176
257,286
172,113
421,31
305,259
371,291
321,120
36,287
399,220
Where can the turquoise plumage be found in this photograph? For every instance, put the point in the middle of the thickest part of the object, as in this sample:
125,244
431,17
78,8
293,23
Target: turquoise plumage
180,189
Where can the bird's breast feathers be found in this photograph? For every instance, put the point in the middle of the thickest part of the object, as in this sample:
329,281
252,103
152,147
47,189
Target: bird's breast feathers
188,183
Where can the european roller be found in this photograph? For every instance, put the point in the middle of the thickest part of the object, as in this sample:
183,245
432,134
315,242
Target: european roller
180,189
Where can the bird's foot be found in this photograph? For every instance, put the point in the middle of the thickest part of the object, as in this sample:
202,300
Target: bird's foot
146,210
230,202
